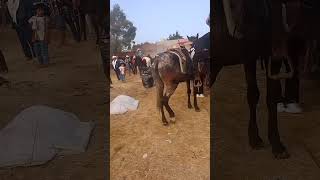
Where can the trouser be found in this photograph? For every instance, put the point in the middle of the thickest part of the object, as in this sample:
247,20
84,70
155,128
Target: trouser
291,92
117,73
199,90
122,77
41,50
3,64
79,18
83,25
72,23
25,35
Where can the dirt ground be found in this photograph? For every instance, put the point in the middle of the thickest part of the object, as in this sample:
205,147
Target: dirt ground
300,133
187,156
74,83
180,151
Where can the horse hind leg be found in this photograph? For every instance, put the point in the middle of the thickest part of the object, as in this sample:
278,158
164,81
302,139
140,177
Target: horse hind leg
160,97
170,89
253,97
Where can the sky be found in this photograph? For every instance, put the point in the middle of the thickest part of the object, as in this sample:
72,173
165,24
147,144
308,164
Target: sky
157,19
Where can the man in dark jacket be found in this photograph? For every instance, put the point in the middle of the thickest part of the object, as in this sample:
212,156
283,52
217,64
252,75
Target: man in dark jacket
20,13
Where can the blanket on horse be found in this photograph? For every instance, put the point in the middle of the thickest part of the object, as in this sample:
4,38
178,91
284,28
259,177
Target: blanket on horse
183,58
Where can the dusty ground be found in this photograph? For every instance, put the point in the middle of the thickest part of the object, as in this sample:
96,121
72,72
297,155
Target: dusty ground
235,160
74,83
180,151
187,157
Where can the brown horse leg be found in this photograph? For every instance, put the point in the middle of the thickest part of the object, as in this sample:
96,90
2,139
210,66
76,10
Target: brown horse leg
189,92
170,88
160,88
253,98
273,95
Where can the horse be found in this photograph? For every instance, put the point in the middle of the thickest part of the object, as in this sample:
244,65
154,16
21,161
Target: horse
200,47
244,43
167,74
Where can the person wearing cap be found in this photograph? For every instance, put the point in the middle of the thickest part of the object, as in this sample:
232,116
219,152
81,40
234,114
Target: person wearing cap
40,38
20,12
114,63
128,65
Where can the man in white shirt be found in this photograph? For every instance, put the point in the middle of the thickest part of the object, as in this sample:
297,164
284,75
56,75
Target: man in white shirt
114,62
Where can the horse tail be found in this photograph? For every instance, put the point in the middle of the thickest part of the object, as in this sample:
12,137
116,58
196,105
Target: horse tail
159,83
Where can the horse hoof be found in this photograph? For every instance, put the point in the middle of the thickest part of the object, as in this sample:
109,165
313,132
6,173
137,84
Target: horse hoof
257,144
189,106
197,109
282,155
173,119
165,123
280,152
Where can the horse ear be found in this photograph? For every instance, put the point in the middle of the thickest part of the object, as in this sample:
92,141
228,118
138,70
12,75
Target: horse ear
197,35
188,37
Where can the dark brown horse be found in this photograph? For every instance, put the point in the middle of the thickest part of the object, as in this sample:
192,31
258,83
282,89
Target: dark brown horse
252,39
168,73
264,34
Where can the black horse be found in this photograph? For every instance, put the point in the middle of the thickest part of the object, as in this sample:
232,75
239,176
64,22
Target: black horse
255,41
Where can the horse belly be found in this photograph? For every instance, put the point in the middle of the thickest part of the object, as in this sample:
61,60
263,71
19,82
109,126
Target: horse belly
228,53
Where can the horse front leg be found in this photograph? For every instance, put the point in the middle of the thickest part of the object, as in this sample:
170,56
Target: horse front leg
189,93
160,101
273,95
253,98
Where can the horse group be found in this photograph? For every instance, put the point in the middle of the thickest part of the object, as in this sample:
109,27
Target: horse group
259,36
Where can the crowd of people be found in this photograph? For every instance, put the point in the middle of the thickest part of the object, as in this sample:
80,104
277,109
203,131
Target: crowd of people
130,65
33,21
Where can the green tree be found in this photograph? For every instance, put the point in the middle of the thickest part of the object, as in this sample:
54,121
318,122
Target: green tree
122,31
175,36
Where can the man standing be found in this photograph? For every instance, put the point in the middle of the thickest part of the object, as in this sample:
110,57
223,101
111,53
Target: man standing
114,65
20,12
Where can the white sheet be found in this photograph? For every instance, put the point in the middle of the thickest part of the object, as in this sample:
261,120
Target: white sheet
39,133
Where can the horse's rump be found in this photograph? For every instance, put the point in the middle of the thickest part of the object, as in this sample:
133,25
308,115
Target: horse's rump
244,18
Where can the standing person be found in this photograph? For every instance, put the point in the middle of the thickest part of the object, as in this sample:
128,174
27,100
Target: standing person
59,21
70,18
3,12
114,65
127,61
122,70
293,46
20,12
39,24
134,65
3,64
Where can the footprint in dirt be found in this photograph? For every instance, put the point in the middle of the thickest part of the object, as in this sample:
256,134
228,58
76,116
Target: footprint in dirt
28,85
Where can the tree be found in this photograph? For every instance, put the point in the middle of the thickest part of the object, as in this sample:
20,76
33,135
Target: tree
122,31
175,36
